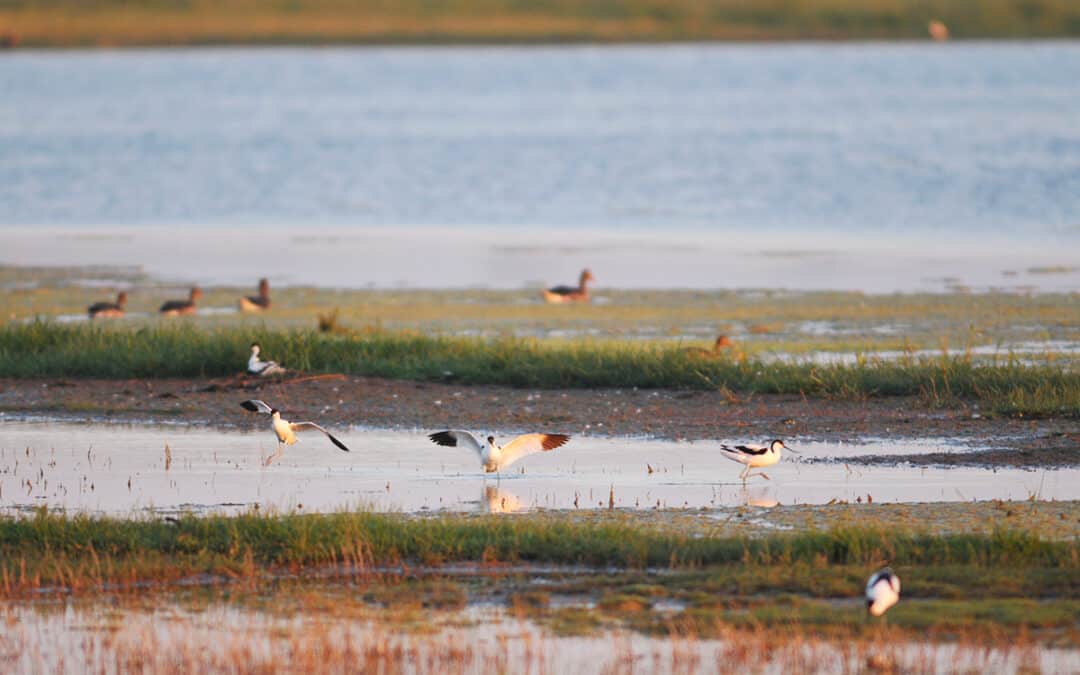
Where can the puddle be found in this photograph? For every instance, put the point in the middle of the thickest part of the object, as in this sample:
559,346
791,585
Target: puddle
121,469
169,637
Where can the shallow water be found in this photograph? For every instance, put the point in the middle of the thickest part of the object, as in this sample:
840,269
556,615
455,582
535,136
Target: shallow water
121,469
76,637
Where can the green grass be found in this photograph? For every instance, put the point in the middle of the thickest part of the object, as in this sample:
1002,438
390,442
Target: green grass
119,22
89,552
44,349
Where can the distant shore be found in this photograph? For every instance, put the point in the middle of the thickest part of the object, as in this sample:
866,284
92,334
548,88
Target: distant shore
112,23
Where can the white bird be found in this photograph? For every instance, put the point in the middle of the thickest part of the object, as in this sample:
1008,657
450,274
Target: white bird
754,456
257,366
284,430
496,457
882,591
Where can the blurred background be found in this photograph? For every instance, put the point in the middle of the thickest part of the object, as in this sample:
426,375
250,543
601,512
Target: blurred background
830,144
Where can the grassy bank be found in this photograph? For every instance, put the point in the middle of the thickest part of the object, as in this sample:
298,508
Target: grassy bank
197,22
45,349
86,552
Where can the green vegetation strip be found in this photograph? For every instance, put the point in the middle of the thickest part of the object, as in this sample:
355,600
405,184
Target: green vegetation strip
141,22
85,553
45,349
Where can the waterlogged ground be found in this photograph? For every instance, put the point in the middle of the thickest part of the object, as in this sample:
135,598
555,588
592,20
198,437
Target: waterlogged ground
536,623
125,469
1001,324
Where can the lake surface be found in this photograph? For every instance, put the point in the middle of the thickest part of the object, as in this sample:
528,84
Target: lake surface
121,469
953,160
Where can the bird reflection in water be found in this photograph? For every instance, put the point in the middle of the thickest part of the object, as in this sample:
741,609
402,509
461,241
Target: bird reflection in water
499,500
759,495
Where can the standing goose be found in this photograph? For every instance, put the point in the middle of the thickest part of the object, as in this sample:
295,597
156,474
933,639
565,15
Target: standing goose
563,294
257,303
179,307
285,431
257,366
754,456
494,457
108,310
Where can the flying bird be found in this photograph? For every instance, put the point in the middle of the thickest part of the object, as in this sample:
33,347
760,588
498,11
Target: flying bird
257,303
496,457
284,430
882,591
754,456
564,294
257,366
108,310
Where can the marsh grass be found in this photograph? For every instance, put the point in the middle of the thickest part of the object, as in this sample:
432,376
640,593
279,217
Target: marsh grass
45,349
81,552
114,22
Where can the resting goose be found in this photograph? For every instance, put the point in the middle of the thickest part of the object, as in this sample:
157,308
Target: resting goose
108,310
564,294
257,303
179,307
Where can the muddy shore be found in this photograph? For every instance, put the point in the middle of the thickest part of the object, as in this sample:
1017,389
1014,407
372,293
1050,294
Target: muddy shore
672,415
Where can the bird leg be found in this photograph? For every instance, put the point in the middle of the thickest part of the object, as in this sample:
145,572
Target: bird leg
745,473
274,456
764,475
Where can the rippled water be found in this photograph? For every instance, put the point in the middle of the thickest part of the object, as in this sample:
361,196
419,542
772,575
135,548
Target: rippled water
860,138
121,469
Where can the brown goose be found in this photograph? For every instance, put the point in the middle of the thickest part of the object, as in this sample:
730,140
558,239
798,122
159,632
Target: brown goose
564,294
257,303
722,343
108,310
179,307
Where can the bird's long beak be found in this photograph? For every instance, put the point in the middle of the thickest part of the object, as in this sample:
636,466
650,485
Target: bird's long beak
788,447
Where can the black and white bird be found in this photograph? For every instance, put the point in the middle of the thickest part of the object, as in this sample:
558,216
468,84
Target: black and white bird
497,457
754,456
882,591
257,366
285,431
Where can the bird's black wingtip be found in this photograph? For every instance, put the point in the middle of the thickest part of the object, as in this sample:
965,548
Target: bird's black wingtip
249,405
337,443
443,438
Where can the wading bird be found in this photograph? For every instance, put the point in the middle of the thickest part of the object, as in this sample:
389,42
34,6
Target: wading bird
563,294
754,456
178,307
257,303
496,457
285,431
882,591
108,310
256,366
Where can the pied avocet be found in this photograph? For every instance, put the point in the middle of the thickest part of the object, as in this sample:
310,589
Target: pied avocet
284,430
496,457
257,303
882,591
178,307
257,366
109,310
562,294
754,456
